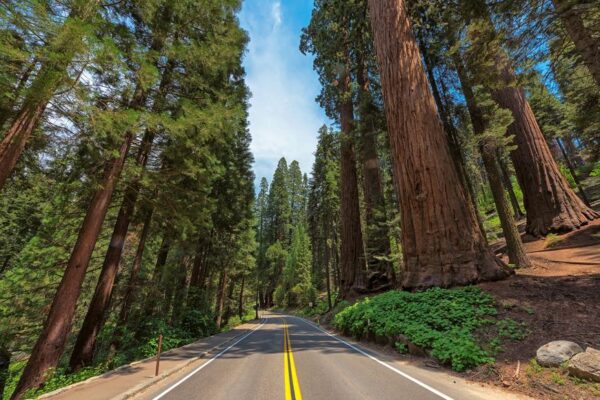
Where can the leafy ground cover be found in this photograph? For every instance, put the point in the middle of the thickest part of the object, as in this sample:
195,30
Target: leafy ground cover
459,327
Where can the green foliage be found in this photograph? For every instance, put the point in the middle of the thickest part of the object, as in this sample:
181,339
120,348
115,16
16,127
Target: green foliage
567,174
596,170
444,321
57,378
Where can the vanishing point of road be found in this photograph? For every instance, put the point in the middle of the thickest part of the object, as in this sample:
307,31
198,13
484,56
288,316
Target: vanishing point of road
289,358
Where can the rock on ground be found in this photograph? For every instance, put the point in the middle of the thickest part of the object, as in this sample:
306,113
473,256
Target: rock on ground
586,365
555,353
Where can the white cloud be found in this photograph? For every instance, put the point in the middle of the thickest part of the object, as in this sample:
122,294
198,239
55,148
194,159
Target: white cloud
276,13
284,118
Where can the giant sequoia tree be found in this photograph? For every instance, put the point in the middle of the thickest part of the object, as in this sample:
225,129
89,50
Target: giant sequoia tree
550,204
329,37
441,240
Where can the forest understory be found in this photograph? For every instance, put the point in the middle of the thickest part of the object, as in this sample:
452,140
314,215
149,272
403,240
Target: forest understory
558,297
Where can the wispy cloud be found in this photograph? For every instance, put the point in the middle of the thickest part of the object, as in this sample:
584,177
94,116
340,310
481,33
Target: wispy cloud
284,117
276,13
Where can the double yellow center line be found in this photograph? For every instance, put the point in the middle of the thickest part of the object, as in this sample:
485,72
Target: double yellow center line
292,391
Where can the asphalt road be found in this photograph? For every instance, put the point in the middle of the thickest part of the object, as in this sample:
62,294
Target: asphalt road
290,358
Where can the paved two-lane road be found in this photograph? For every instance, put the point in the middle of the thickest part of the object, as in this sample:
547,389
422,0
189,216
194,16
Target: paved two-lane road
309,364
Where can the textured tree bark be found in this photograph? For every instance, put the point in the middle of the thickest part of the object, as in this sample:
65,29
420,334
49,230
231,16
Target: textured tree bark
453,143
518,214
587,47
441,241
220,298
16,137
376,233
83,351
514,245
550,203
51,343
489,151
352,261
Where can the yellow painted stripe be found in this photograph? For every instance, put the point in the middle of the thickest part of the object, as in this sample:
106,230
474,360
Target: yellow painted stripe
286,371
297,392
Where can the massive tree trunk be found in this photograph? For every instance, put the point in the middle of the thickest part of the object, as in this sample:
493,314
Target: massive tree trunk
453,143
441,241
376,232
586,45
550,204
66,44
352,253
51,343
489,150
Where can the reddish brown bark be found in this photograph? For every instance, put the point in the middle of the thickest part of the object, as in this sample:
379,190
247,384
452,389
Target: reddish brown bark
16,138
586,45
453,143
83,351
441,241
352,261
51,343
489,150
132,288
550,204
376,235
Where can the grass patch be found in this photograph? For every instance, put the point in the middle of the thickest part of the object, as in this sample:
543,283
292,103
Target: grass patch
552,239
446,322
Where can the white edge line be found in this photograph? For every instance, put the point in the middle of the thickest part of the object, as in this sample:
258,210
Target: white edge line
188,376
404,374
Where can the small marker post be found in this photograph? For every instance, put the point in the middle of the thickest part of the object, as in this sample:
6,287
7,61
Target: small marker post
160,339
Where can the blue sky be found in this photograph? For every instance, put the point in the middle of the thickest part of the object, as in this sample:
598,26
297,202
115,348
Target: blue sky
284,117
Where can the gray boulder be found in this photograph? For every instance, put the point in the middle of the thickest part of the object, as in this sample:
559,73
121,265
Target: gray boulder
586,365
555,353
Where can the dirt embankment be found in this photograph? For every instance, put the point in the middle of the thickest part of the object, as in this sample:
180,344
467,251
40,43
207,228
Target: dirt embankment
559,299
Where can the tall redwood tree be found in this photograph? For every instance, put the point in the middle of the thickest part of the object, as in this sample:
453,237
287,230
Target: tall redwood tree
352,260
441,241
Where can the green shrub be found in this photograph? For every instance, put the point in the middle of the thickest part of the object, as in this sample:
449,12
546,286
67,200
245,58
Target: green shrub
596,170
568,176
443,321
